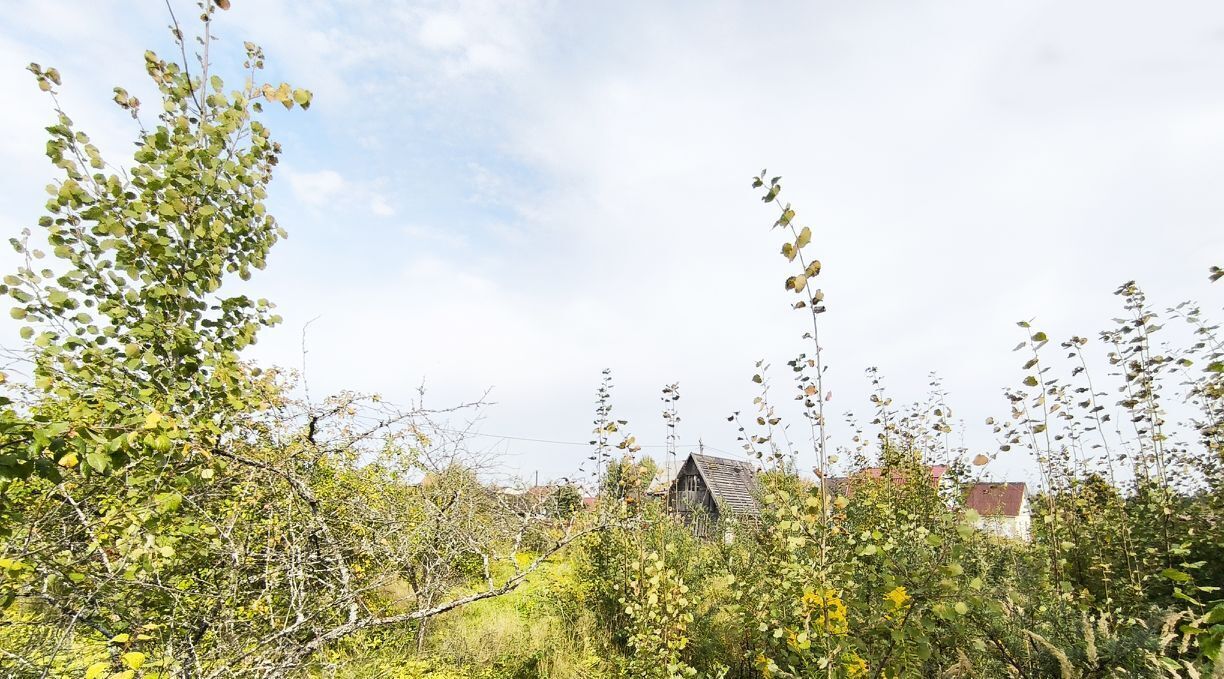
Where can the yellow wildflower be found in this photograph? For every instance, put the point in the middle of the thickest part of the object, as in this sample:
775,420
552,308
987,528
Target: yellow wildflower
898,597
811,599
829,609
765,665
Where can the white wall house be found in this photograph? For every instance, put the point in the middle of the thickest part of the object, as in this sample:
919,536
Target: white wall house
1003,507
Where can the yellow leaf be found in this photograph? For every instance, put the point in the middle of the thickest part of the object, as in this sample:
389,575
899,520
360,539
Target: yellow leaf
152,420
69,460
980,459
133,659
96,670
805,237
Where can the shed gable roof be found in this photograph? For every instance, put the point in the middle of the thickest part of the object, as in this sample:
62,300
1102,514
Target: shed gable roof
996,499
731,482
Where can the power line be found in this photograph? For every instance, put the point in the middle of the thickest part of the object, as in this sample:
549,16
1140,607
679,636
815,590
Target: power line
552,441
584,443
528,439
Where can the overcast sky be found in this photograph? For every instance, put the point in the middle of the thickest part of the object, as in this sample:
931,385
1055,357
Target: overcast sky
517,195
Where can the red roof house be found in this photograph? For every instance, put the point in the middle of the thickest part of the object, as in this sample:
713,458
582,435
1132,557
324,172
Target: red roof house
1003,507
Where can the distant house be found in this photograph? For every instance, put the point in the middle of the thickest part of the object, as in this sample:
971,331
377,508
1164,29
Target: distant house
1003,506
844,485
556,499
708,489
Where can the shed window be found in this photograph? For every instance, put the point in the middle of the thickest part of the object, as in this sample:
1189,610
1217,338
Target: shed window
690,482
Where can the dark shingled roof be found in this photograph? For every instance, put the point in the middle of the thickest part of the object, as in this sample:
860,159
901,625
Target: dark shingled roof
731,482
996,499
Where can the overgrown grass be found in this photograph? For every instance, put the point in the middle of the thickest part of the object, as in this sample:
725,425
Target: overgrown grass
543,629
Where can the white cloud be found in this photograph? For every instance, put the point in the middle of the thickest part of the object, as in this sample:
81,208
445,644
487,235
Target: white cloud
317,188
380,207
475,36
963,165
448,238
329,191
442,32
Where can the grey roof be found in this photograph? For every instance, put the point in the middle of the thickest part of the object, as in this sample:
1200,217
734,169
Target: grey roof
731,482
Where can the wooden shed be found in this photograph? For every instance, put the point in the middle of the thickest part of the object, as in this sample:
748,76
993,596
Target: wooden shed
708,489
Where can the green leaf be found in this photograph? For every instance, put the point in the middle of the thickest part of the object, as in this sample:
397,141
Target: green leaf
97,461
1179,594
1174,575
